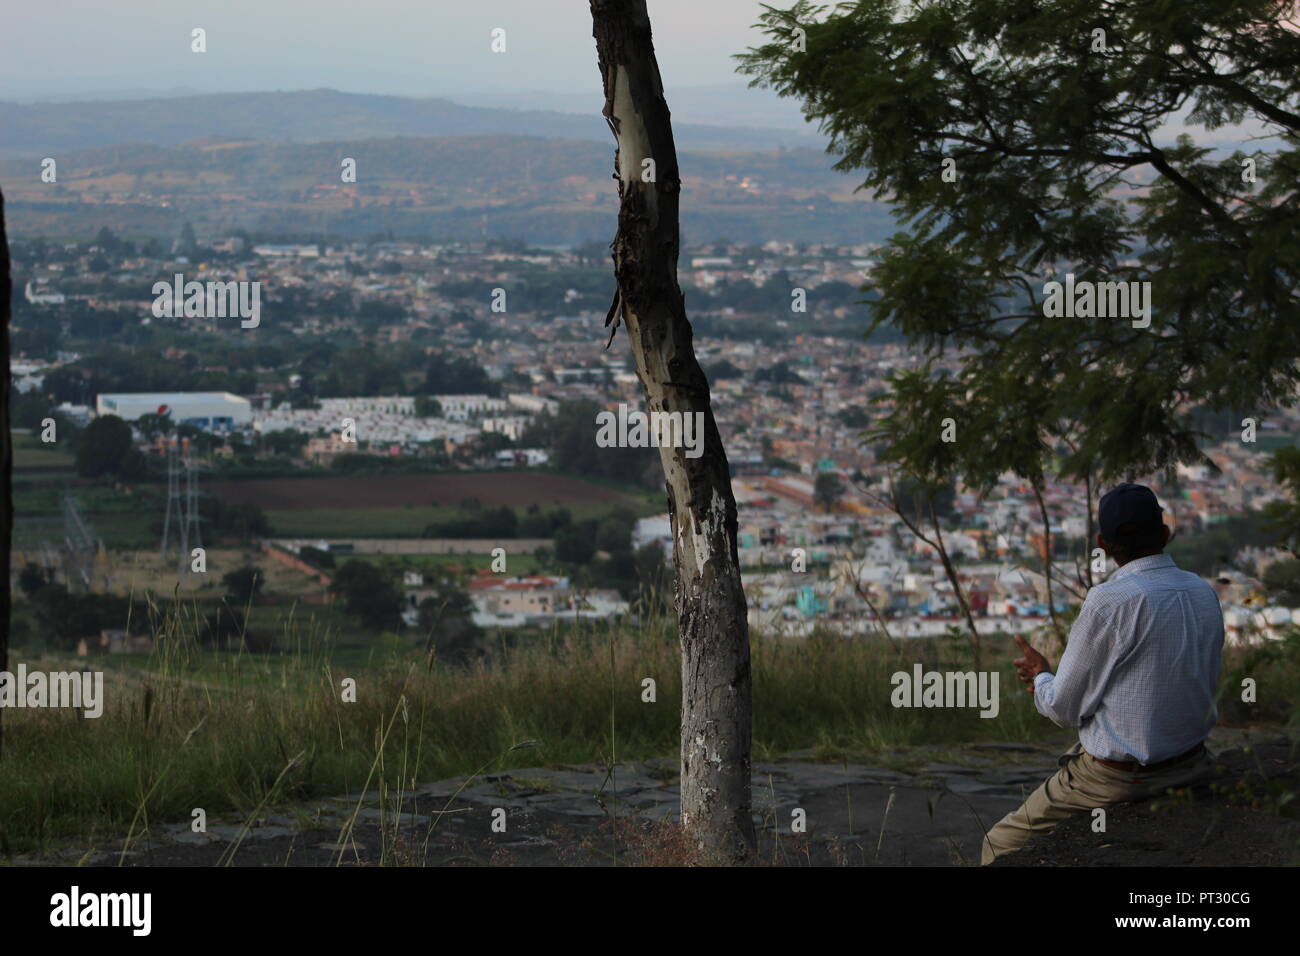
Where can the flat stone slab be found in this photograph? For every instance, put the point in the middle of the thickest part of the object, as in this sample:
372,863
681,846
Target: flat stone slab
869,813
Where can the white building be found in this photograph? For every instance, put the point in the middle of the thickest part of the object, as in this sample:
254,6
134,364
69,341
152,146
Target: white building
512,427
40,297
380,405
533,404
459,408
206,410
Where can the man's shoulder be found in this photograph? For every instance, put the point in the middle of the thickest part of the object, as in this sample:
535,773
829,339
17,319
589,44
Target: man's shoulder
1110,594
1132,587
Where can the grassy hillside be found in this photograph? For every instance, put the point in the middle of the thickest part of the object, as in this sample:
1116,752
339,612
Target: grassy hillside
226,731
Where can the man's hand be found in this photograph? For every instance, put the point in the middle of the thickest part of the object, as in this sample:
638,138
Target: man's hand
1031,665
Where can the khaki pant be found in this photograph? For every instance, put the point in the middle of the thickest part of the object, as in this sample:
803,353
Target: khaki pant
1082,784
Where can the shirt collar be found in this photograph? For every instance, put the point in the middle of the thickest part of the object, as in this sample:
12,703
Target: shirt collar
1150,563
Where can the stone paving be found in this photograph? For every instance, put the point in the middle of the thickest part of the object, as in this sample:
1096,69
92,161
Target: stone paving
919,806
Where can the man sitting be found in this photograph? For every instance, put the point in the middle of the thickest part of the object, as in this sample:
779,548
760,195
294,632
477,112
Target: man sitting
1137,678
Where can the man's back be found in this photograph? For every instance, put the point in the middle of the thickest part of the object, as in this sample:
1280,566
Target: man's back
1141,669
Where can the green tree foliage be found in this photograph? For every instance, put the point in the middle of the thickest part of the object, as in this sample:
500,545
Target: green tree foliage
446,618
152,425
654,578
723,370
1045,130
1284,516
828,489
243,520
574,547
64,618
570,436
454,375
779,373
1282,581
500,522
32,578
104,447
538,524
288,442
316,557
368,595
1213,549
242,585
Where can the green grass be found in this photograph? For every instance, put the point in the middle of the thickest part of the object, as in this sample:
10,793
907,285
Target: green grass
188,728
516,564
236,732
32,454
120,520
406,522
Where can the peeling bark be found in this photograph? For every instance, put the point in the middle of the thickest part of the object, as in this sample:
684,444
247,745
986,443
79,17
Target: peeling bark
711,609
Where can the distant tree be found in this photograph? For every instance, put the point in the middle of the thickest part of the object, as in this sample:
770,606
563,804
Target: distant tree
189,244
426,406
570,437
32,578
1282,580
655,578
614,533
243,520
103,447
446,618
854,417
242,585
779,373
151,425
828,490
1215,548
723,370
454,375
1283,516
368,594
316,557
492,442
288,441
574,547
65,618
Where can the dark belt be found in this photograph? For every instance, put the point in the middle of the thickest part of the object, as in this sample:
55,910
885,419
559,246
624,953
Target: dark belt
1132,765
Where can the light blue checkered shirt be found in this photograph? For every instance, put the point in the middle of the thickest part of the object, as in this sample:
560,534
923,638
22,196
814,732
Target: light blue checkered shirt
1139,674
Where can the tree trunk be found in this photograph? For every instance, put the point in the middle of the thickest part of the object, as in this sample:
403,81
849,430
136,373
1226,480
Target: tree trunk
950,569
711,610
1047,557
6,455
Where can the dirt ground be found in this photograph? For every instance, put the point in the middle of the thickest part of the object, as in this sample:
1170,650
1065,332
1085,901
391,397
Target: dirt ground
134,572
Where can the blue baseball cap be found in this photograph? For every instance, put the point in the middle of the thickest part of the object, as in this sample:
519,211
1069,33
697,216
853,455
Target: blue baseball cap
1128,504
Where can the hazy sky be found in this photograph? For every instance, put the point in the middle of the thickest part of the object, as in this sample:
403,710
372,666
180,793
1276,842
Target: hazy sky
412,47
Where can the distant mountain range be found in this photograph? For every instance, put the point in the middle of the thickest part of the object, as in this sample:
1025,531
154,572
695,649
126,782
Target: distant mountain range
320,116
426,168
